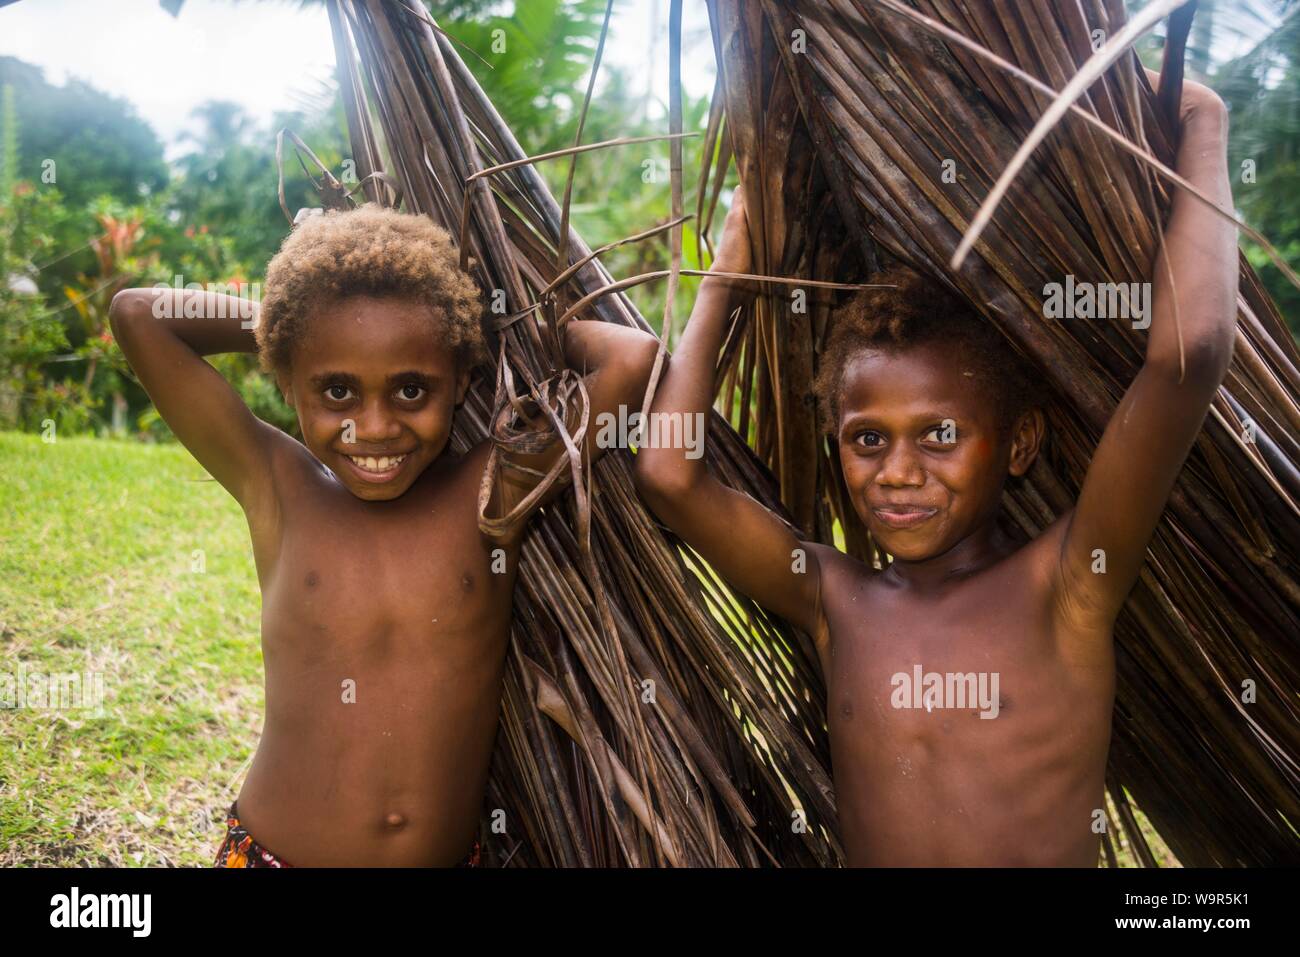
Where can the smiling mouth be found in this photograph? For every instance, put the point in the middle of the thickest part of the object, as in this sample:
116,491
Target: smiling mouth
904,516
377,468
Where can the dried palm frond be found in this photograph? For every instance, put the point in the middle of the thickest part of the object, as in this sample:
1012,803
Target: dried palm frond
870,135
650,715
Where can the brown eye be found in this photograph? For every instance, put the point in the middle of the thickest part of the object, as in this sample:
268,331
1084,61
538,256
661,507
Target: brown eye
943,434
411,392
872,440
338,393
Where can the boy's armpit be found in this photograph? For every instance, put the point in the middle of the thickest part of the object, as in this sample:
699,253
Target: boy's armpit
1074,603
288,467
827,563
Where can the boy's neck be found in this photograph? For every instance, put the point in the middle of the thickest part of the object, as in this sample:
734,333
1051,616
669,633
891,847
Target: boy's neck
985,546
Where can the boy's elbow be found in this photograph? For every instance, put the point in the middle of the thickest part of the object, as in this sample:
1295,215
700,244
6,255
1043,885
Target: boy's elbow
1202,362
631,366
645,475
127,306
660,478
641,355
1209,356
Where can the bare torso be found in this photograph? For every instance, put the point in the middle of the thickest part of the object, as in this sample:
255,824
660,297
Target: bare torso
945,786
384,630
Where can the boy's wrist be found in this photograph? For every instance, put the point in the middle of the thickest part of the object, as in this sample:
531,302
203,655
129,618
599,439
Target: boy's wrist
714,285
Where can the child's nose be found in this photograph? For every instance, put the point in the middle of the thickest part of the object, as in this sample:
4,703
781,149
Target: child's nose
901,467
376,423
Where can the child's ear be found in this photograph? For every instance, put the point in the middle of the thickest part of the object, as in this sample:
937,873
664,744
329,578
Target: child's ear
1026,439
462,385
285,383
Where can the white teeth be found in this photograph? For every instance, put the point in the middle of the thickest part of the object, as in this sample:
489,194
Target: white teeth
381,464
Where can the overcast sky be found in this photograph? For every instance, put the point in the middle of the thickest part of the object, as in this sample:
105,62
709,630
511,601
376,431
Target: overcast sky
270,55
264,55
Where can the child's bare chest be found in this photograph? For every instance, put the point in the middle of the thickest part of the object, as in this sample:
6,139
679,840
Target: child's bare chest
936,670
959,715
961,682
403,583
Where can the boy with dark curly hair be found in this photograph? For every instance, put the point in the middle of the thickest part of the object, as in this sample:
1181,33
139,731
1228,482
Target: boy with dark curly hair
385,610
970,682
905,310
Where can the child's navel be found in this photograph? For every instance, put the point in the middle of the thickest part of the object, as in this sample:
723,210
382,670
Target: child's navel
395,819
312,580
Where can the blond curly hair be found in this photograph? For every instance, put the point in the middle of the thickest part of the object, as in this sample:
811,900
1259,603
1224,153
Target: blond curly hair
367,251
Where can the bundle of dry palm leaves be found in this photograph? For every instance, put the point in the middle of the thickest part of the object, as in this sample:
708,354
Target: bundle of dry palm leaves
872,132
650,716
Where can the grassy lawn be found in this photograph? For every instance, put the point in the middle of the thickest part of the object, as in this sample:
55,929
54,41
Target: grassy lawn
125,560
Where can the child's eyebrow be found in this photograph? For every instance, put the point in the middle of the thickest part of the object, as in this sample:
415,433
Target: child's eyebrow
921,418
329,378
324,379
412,374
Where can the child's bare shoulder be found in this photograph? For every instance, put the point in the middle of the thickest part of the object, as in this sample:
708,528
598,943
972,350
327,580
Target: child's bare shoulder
837,568
296,472
843,578
1028,574
456,478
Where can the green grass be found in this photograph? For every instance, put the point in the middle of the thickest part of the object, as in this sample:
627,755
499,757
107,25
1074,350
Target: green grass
126,560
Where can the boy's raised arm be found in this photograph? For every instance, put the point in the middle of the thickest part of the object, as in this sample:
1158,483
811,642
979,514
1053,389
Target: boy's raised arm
165,349
1152,430
746,544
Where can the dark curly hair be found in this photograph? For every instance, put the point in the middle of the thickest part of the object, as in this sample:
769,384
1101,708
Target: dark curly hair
919,310
367,251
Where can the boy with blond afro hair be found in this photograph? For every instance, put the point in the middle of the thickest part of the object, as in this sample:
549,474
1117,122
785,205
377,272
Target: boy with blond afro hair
385,610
